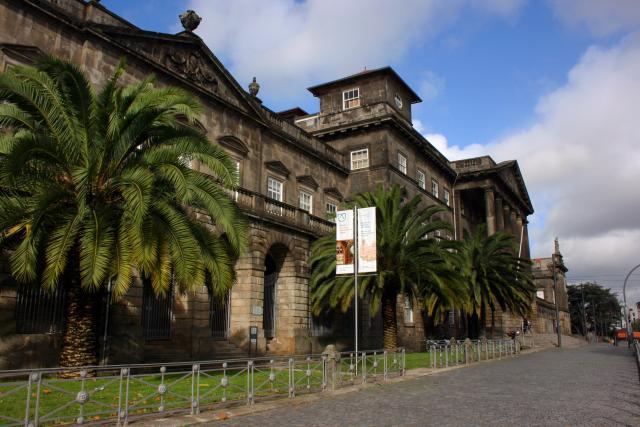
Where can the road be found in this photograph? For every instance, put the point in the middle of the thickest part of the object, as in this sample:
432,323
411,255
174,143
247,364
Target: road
593,385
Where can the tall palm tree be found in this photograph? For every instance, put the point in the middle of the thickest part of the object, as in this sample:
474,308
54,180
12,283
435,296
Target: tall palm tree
97,184
411,261
494,276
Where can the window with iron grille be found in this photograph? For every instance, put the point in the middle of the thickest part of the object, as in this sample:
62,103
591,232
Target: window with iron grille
219,315
39,311
157,312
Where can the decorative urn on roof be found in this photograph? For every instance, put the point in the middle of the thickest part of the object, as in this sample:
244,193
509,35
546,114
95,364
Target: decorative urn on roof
254,87
190,20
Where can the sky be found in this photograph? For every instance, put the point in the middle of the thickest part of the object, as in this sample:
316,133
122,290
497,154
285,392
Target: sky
554,84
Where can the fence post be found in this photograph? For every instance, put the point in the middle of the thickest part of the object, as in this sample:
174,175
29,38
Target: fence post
404,361
292,378
385,365
249,382
364,367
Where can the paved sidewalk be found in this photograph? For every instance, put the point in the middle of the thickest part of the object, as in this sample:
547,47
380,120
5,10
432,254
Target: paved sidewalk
593,385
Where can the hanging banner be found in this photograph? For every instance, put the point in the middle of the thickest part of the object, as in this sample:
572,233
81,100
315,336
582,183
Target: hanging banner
367,251
344,242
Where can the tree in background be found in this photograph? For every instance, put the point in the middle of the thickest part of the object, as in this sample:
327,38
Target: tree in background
588,297
412,261
96,184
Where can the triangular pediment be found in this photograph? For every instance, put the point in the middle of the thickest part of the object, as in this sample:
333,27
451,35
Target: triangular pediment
278,167
307,180
186,56
509,173
334,192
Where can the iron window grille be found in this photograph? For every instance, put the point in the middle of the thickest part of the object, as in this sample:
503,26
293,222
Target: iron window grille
219,315
157,312
39,311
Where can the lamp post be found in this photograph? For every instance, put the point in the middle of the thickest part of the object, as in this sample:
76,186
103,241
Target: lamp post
555,300
624,295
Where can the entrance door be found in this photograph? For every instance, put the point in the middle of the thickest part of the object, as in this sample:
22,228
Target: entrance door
269,311
219,316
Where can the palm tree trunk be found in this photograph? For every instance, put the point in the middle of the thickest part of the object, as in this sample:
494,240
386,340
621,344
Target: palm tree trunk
483,321
389,322
79,345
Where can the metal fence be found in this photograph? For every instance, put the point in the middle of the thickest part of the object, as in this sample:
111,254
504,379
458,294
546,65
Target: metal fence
445,353
119,394
635,345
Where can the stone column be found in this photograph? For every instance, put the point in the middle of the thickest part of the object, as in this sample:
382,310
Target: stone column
499,214
458,215
514,225
490,211
506,213
519,232
526,253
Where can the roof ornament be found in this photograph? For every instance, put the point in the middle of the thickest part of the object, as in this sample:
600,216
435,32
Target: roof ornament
190,20
556,246
254,87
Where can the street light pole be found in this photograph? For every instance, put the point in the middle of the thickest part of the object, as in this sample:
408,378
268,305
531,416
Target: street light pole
624,295
555,300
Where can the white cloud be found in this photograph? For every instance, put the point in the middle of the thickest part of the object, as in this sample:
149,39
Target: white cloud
291,44
600,17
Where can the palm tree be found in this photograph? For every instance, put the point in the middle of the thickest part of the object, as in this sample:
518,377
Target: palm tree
411,261
97,184
494,276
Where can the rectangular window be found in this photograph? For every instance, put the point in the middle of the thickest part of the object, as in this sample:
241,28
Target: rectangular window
219,315
331,209
434,187
540,294
157,311
402,163
274,189
446,197
408,310
422,180
305,201
39,311
360,159
350,98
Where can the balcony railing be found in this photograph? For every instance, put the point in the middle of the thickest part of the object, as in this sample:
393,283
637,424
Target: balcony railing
263,206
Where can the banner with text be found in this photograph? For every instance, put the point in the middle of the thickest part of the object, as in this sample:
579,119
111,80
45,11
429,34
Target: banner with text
367,253
344,242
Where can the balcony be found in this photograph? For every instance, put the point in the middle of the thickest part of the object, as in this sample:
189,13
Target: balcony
263,207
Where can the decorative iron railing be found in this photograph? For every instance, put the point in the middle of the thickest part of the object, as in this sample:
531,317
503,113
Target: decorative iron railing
445,353
120,394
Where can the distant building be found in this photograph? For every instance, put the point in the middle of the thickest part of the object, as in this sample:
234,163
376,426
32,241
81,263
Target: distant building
295,170
544,309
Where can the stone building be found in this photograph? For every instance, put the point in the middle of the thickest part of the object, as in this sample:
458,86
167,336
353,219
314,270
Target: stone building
544,308
295,171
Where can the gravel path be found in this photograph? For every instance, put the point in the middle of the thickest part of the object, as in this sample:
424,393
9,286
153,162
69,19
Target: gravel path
593,385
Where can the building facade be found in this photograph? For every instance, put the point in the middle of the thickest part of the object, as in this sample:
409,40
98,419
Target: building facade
295,171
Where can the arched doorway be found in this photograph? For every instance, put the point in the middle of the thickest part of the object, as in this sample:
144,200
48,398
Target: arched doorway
273,262
269,312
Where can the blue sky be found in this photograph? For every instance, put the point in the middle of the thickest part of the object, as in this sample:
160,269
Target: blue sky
551,83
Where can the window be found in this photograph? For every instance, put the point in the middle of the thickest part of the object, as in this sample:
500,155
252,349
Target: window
39,311
331,209
219,315
434,187
398,100
360,159
452,318
274,189
408,310
237,165
402,163
540,293
446,197
156,312
305,201
350,98
422,180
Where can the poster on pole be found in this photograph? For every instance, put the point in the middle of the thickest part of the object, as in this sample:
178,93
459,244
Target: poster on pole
344,242
367,251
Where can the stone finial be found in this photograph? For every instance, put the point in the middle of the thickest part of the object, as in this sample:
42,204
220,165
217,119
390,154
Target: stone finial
254,87
556,246
190,20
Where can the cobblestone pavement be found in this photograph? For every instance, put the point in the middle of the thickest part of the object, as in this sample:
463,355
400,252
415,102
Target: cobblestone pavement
593,385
